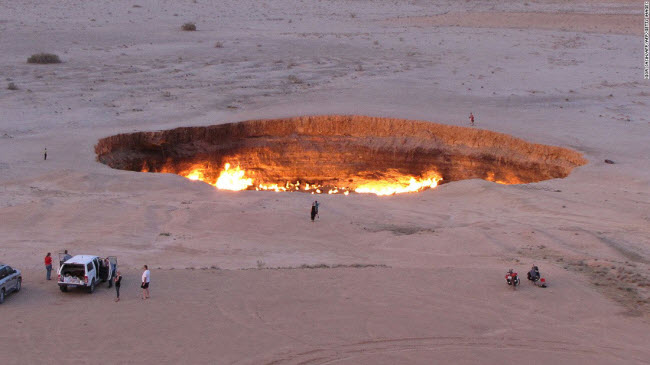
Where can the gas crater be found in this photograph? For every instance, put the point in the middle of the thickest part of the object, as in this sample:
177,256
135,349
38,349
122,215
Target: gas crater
336,154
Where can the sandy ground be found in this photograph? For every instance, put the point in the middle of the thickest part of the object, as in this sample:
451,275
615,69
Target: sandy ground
523,68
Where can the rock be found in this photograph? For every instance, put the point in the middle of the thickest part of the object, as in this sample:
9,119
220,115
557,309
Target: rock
610,162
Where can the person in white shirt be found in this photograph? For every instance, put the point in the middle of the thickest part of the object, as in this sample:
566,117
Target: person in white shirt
146,278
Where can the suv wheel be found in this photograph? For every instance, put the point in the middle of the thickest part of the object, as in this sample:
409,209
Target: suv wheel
92,287
2,296
63,288
19,285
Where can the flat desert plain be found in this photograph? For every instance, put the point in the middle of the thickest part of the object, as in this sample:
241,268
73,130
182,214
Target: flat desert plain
245,277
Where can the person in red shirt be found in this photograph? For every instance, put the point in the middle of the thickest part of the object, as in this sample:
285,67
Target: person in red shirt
48,265
471,119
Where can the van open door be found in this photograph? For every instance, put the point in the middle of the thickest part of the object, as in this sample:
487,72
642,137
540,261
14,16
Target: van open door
113,266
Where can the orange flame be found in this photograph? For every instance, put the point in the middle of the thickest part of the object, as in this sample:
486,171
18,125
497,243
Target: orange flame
510,179
195,175
235,179
405,184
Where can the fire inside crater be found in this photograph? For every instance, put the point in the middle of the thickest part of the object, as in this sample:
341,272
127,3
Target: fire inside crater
336,155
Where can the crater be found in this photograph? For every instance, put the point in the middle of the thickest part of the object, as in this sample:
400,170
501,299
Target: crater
336,154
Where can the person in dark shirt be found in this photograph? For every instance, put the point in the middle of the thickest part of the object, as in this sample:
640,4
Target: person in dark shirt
118,282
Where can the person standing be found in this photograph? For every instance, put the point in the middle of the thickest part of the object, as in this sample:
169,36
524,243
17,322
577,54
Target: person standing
45,154
118,282
313,211
316,203
146,279
66,257
471,119
48,265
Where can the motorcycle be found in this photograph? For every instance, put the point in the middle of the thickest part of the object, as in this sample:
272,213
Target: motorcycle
512,279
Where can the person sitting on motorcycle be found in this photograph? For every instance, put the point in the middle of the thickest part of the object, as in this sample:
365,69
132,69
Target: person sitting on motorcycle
533,274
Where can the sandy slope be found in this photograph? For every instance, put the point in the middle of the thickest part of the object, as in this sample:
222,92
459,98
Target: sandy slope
347,315
574,22
441,298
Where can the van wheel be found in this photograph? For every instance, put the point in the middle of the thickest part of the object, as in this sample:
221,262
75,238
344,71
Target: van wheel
19,285
2,296
92,287
63,288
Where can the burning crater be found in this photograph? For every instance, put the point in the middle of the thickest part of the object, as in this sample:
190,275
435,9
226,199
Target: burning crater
336,154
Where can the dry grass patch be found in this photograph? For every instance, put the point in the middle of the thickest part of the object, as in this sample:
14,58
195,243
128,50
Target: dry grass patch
44,58
189,27
295,79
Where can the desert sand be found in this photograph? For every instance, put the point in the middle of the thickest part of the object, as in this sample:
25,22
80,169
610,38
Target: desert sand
245,277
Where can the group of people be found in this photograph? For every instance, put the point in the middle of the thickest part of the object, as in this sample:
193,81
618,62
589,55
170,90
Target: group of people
144,285
105,264
146,279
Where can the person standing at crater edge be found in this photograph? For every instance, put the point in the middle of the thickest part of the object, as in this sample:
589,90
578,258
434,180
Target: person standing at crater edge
45,154
471,119
313,211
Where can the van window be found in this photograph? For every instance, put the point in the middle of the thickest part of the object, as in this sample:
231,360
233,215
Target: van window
4,273
89,267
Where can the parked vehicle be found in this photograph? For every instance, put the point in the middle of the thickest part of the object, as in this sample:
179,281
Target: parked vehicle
85,271
10,281
512,278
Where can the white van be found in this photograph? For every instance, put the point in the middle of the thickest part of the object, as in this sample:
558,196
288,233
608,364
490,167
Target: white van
85,271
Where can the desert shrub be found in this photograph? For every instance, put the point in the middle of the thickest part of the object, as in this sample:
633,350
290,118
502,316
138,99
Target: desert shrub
218,45
190,27
12,86
43,58
294,79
